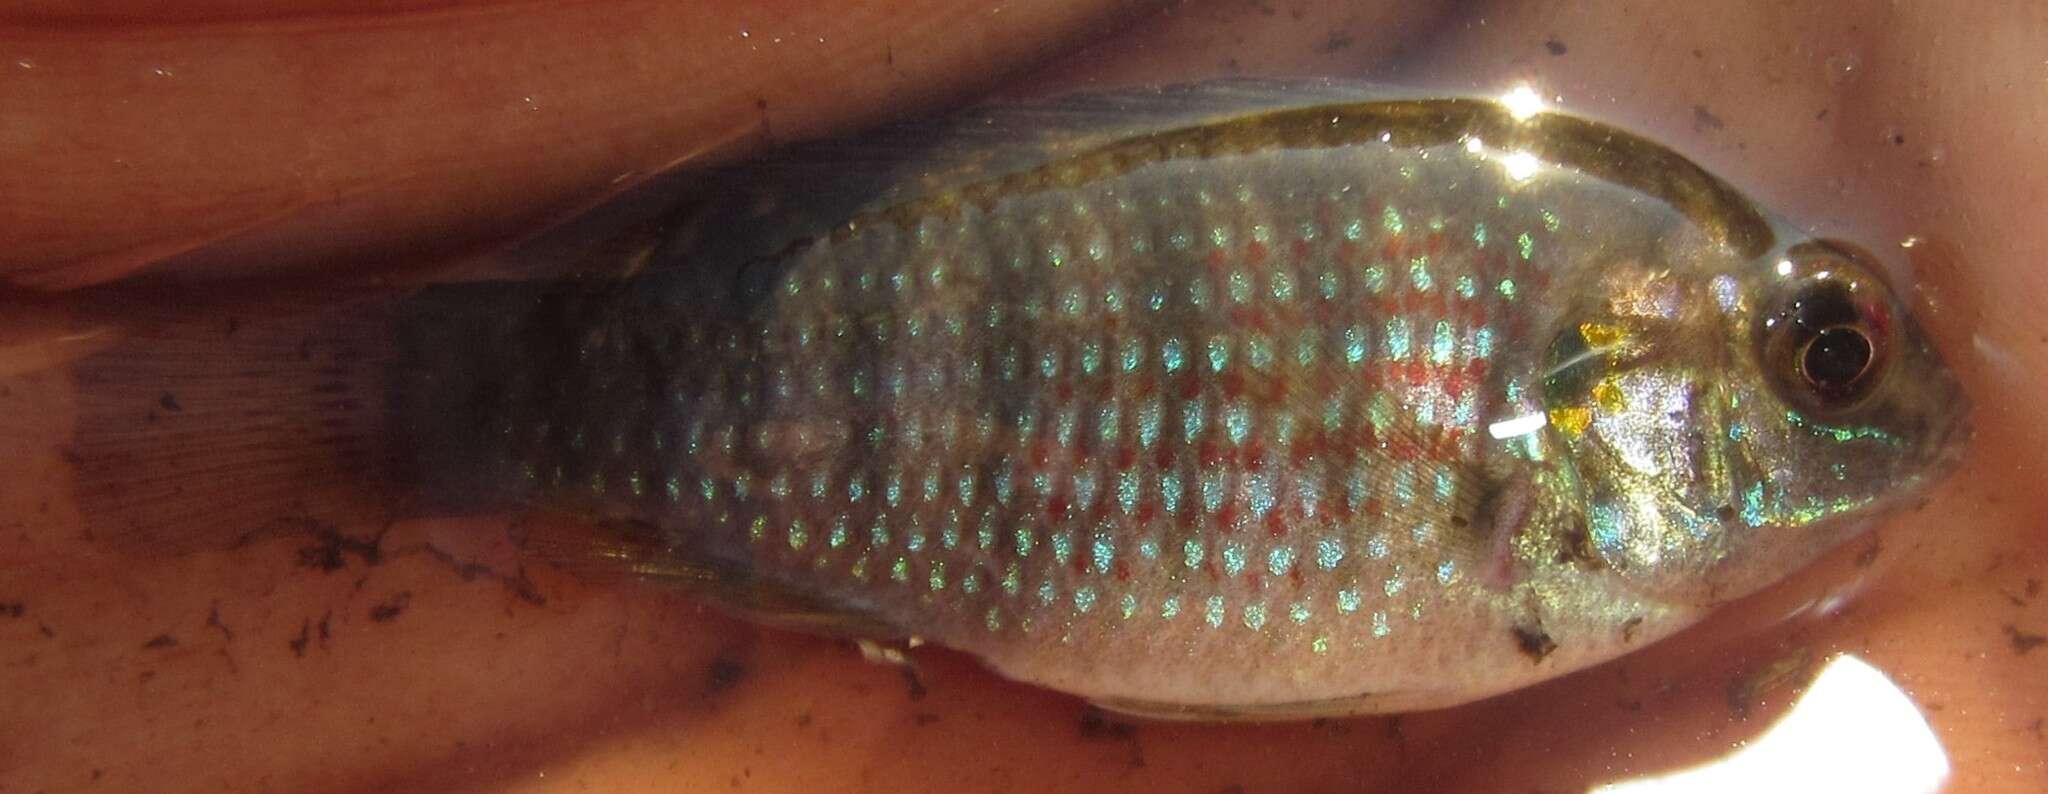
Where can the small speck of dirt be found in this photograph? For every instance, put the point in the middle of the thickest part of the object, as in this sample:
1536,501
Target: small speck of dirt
1555,47
1628,628
213,621
1097,726
2033,589
390,610
161,641
330,550
298,644
170,402
1534,642
1338,40
924,718
1704,120
1868,555
12,609
2022,642
1898,139
724,674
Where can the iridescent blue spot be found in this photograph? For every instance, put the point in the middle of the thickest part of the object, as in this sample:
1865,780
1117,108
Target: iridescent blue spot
1326,285
1753,505
1148,549
1259,496
1108,422
1240,286
1084,488
1527,245
1024,540
1306,348
1049,363
1169,608
1376,548
1133,355
1404,485
1237,422
1103,550
914,540
1172,355
1084,599
1091,357
1006,485
1213,611
839,534
1046,593
1192,553
1392,220
1329,553
1397,339
1446,571
1219,353
1148,423
1376,279
1418,274
1347,601
1127,605
1443,343
1062,547
1279,561
1191,420
1233,559
1482,342
1212,489
1259,352
1479,234
1255,617
1169,492
1127,491
1355,345
1467,287
1283,286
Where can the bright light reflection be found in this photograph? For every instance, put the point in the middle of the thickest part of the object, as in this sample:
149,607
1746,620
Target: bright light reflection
1518,426
1853,730
1520,165
1522,102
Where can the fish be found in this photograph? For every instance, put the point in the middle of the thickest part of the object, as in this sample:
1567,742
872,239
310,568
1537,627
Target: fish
1218,402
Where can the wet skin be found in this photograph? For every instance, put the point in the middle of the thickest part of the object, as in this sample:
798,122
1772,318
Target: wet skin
426,658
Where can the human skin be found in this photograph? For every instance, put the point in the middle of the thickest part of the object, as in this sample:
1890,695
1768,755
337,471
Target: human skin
428,658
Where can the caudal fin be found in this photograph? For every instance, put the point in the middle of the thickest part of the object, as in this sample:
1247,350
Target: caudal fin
210,422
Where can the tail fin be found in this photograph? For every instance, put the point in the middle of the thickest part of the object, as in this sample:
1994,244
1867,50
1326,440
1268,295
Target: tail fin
209,421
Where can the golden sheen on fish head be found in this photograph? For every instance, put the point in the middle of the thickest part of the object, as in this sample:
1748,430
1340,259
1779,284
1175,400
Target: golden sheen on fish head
1730,419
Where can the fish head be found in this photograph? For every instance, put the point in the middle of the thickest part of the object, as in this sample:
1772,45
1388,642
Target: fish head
1727,424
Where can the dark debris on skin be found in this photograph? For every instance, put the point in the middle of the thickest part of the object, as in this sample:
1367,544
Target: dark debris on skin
2023,642
390,610
1533,642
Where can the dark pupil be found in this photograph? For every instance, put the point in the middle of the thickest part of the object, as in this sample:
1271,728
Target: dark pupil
1836,358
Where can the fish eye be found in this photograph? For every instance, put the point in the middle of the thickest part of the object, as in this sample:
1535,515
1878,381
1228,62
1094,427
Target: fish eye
1836,359
1825,345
